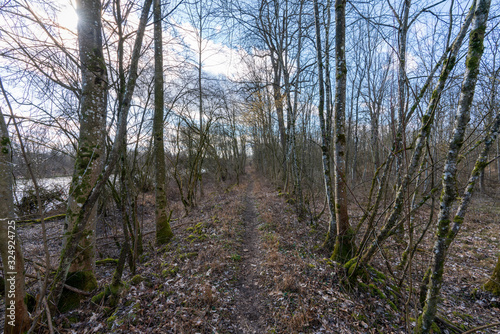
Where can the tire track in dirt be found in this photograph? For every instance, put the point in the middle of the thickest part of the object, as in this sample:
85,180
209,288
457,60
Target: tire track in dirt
250,308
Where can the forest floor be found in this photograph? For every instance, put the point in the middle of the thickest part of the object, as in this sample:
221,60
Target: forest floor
242,262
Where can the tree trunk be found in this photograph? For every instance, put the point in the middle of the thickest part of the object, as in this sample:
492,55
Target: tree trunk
445,235
94,80
325,140
91,150
163,231
344,245
493,284
17,318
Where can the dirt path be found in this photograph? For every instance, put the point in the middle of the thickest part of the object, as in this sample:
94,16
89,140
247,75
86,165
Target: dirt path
250,306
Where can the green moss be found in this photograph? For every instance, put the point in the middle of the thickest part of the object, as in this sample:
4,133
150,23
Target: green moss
392,293
110,321
236,257
136,279
434,95
344,248
111,295
350,263
188,255
363,286
394,288
106,261
392,305
82,280
170,272
450,63
463,316
97,299
418,328
472,62
163,231
435,328
354,270
377,291
378,274
144,258
493,284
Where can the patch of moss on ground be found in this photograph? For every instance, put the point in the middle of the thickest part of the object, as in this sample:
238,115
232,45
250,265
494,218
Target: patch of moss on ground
170,272
136,279
106,261
190,255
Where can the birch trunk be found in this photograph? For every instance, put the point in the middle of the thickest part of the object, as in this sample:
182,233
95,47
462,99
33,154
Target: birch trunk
325,139
402,34
445,235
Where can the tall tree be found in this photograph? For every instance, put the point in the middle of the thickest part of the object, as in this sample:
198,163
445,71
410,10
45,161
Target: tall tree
344,244
163,231
91,146
325,137
89,25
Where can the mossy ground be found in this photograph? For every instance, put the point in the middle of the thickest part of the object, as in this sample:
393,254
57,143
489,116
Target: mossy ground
493,284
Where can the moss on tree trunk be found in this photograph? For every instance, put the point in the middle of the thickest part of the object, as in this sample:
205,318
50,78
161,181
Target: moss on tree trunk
493,284
345,247
82,280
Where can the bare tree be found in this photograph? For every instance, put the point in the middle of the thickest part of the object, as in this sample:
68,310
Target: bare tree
344,244
325,125
163,231
445,235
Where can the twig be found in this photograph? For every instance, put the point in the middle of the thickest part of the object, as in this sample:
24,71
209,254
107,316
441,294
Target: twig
38,220
49,318
481,327
66,286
